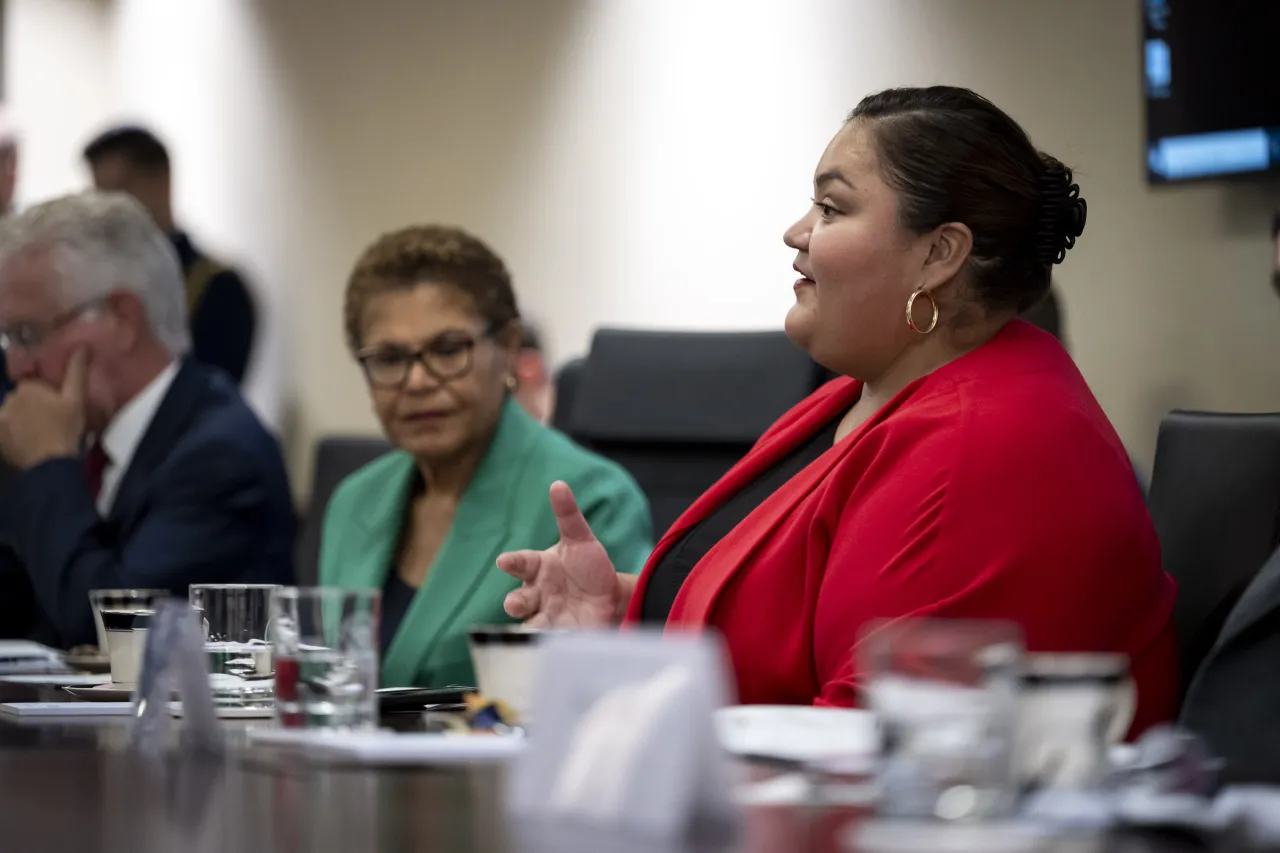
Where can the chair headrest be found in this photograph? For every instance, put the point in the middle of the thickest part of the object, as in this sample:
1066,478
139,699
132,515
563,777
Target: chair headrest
721,387
567,379
1220,447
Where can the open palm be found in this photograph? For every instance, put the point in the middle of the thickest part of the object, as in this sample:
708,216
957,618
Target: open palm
572,584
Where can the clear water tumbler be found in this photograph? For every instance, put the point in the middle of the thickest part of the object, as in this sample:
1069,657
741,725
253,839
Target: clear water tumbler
945,694
326,657
236,621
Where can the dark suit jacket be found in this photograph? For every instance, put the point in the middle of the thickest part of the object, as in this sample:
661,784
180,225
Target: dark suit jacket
223,315
204,500
1233,701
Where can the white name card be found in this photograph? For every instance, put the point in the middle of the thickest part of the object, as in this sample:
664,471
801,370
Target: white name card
626,737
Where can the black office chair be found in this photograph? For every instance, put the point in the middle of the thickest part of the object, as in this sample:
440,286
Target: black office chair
678,409
336,457
567,380
1215,500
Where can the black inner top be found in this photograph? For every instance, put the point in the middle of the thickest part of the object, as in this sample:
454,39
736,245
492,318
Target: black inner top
397,595
396,598
670,572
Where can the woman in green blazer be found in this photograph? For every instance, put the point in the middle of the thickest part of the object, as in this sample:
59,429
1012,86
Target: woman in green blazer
432,319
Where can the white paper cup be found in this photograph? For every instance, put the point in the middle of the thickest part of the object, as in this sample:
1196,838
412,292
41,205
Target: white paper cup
505,658
1072,707
126,633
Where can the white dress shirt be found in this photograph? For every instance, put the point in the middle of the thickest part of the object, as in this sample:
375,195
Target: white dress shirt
123,435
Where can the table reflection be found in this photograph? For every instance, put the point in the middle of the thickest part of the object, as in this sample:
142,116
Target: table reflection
72,786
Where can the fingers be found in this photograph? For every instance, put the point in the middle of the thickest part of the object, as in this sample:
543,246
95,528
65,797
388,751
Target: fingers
73,381
522,603
573,525
521,565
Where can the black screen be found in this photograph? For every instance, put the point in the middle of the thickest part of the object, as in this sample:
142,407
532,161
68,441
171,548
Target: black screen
1212,84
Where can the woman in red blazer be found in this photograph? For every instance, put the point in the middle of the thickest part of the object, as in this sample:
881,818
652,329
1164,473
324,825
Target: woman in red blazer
966,472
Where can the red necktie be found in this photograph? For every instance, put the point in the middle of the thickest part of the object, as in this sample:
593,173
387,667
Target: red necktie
95,463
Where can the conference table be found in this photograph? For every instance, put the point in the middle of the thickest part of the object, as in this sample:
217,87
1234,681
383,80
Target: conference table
75,787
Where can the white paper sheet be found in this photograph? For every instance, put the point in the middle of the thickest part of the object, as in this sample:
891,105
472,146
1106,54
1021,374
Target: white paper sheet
386,747
19,649
21,656
66,679
797,732
67,709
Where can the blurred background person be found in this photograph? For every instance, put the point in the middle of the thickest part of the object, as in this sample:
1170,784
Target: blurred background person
432,319
8,162
1232,696
140,468
535,390
222,313
8,189
17,602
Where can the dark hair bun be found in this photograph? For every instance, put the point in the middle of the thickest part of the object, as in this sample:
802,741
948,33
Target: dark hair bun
1062,213
950,155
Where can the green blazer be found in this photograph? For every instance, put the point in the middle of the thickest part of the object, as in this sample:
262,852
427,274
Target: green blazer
505,508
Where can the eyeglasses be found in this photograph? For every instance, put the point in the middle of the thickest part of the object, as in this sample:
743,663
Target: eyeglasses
29,336
446,357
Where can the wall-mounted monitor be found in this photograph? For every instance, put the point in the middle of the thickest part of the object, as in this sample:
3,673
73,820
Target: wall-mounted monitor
1211,80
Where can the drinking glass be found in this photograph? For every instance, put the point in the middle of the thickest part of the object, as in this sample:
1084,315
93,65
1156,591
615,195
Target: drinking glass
236,621
326,655
946,698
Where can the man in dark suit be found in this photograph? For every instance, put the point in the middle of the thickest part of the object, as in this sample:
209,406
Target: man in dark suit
1233,701
137,466
221,308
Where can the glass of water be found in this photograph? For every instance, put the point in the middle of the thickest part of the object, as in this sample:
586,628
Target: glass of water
326,657
237,643
945,695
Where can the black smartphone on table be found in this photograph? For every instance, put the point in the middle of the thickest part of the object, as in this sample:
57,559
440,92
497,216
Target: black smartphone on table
412,700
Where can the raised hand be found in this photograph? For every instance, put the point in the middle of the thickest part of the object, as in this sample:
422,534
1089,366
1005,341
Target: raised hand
572,584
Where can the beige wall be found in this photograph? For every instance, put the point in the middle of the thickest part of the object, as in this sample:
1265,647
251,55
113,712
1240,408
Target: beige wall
54,55
637,160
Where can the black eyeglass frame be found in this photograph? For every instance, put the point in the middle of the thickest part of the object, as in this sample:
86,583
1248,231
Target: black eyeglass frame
422,355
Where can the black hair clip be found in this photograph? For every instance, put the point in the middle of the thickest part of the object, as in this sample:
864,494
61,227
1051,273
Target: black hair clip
1062,215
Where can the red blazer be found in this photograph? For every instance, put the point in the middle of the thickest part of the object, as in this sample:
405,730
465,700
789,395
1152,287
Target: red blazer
994,488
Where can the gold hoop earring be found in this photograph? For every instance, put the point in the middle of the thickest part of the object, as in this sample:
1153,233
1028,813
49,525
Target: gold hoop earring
911,317
512,382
